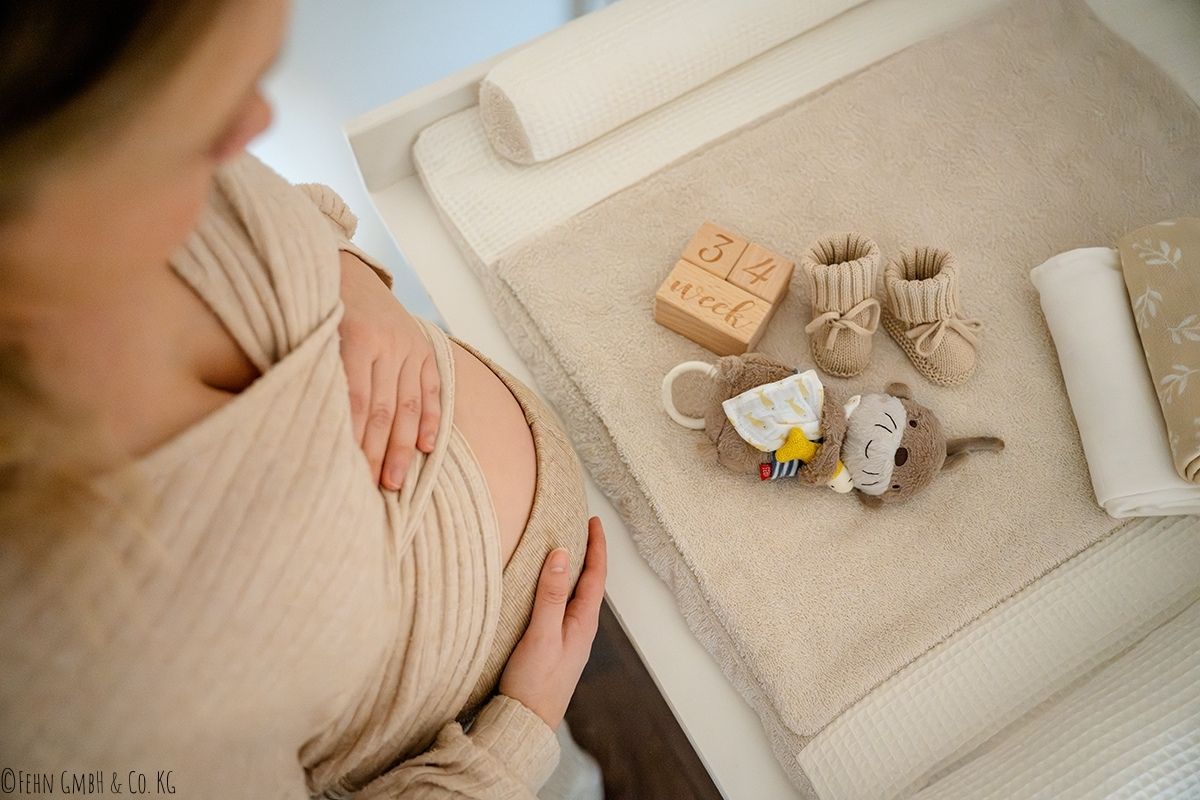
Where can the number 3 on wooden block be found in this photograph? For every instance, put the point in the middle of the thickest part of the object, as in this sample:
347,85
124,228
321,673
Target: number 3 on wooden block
713,253
762,273
715,249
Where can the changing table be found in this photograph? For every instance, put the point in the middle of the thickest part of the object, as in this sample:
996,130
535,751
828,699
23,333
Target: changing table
724,730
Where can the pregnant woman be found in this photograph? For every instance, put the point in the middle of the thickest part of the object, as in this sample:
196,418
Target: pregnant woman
262,532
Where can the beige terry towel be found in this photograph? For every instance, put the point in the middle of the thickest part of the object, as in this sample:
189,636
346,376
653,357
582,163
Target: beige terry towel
1162,273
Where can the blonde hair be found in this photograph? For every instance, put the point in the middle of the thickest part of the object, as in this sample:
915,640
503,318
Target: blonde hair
70,74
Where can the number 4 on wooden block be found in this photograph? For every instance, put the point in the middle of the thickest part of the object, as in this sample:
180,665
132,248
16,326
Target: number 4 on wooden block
762,273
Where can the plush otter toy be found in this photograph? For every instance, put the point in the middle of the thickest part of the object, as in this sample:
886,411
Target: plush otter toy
767,418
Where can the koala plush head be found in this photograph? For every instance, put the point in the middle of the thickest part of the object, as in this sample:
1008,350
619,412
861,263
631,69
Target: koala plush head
909,455
874,449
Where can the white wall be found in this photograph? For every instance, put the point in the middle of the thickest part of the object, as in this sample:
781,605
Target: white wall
345,57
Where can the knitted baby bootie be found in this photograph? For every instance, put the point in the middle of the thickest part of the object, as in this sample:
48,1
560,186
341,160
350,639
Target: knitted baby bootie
841,270
924,316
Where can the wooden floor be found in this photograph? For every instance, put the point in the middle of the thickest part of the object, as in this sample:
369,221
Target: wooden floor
619,717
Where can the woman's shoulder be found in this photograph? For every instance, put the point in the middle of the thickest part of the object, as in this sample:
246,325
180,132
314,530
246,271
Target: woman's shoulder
264,257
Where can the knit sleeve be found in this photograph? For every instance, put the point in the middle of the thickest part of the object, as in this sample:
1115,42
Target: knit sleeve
507,754
344,224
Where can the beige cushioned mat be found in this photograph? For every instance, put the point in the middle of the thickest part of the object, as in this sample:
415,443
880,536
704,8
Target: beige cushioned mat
1026,133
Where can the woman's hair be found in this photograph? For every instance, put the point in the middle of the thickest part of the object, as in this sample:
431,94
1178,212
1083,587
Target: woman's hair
71,73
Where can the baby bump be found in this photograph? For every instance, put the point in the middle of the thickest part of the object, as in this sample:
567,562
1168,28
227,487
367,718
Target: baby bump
554,510
489,417
509,440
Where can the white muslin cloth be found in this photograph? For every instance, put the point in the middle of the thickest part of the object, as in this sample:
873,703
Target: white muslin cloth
765,415
607,68
1120,423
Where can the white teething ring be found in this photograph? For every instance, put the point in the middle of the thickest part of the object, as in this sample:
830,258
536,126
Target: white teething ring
668,399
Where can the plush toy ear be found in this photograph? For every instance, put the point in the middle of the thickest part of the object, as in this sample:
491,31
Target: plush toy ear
957,450
900,390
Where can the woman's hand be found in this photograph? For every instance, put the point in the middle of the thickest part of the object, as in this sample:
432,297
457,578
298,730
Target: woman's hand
543,670
395,389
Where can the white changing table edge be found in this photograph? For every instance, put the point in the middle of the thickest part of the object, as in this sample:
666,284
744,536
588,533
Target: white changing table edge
725,732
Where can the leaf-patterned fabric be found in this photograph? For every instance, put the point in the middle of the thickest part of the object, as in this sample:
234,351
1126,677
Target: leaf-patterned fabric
1161,263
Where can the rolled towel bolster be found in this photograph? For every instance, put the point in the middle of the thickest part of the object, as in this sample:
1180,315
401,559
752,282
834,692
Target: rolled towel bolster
602,70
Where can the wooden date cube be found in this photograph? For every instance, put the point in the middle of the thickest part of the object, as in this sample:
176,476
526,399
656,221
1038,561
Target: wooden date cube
723,291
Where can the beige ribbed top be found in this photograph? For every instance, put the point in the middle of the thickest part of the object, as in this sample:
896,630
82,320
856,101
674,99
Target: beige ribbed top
282,625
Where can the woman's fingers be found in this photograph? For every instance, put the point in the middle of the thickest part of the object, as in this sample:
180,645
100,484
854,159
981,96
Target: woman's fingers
431,405
553,591
358,381
554,609
544,668
380,412
583,612
406,393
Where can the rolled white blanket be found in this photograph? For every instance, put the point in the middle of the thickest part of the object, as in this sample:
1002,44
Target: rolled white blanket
1116,410
604,69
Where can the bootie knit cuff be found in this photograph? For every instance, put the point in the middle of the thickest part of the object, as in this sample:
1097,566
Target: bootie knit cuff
841,269
922,285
